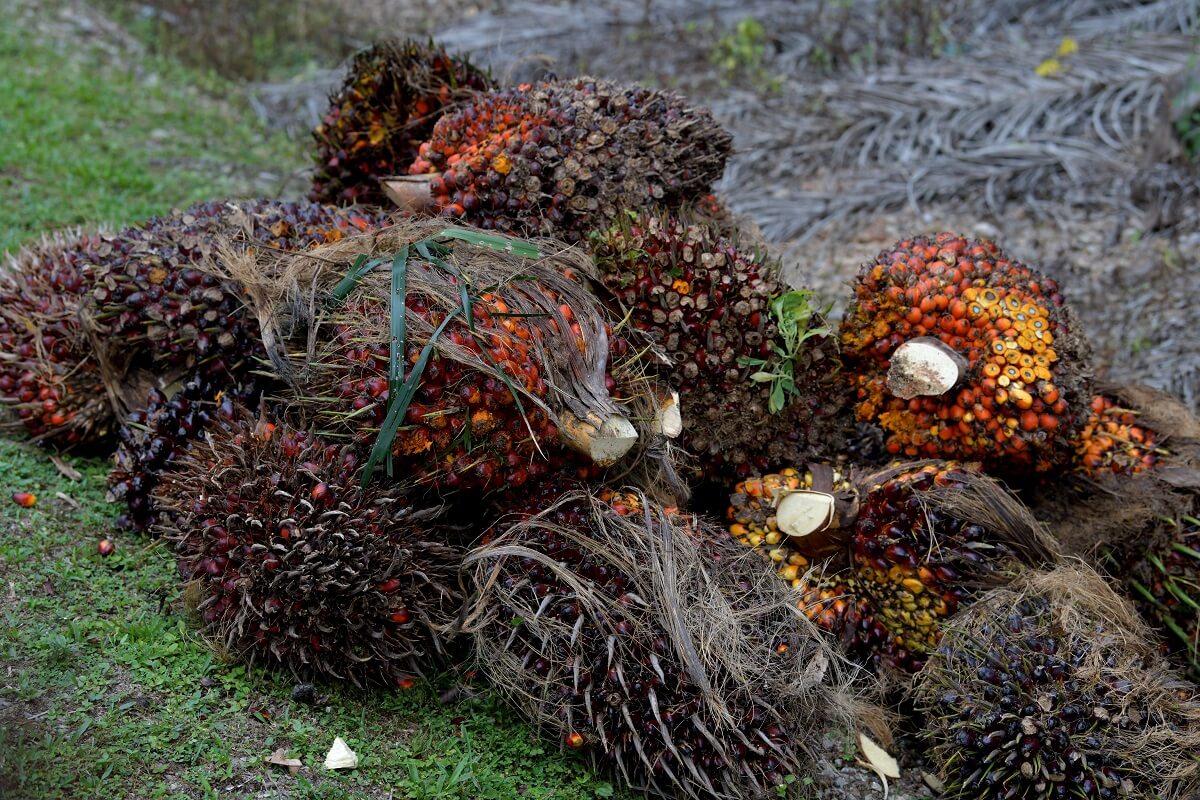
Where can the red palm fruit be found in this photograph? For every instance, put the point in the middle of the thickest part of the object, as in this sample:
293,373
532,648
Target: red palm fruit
354,587
564,158
602,626
959,352
47,374
1112,442
1052,688
389,100
752,362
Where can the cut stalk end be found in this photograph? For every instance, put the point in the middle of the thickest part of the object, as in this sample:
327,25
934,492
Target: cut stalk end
924,367
605,441
409,192
668,421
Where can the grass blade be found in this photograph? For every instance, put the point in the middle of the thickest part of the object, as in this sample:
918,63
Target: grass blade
355,274
491,241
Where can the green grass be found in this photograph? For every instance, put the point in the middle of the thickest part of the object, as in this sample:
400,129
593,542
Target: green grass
106,688
87,138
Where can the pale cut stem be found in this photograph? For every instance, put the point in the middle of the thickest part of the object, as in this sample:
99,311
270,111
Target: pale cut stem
924,367
805,512
668,420
603,441
409,192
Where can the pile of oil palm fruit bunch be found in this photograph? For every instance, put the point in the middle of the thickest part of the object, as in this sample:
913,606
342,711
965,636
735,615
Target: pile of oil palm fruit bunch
549,413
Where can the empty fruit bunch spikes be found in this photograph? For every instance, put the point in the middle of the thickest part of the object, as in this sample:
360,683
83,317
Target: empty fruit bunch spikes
1052,689
959,352
752,362
564,158
389,100
47,374
291,564
669,655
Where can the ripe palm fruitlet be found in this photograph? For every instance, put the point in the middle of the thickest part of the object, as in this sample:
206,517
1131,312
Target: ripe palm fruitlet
753,363
152,436
1112,441
292,564
959,352
47,376
1165,583
565,158
1052,689
392,95
653,642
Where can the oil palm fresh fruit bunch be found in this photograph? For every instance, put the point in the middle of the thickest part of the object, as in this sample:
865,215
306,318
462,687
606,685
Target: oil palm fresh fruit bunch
389,100
291,564
1052,688
47,375
912,544
155,306
564,158
653,643
501,370
959,352
753,363
152,436
1165,583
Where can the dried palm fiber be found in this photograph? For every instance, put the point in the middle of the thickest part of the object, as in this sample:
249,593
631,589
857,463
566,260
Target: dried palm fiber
291,564
1052,687
47,377
753,363
535,384
389,99
958,351
911,544
984,131
654,643
567,157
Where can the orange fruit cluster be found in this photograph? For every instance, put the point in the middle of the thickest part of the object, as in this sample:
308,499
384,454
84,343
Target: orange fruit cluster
1021,397
1112,441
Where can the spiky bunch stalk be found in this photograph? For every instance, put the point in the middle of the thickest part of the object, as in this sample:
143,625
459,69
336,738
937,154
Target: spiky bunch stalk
1052,688
959,352
565,158
653,642
293,565
501,370
752,362
47,376
389,100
